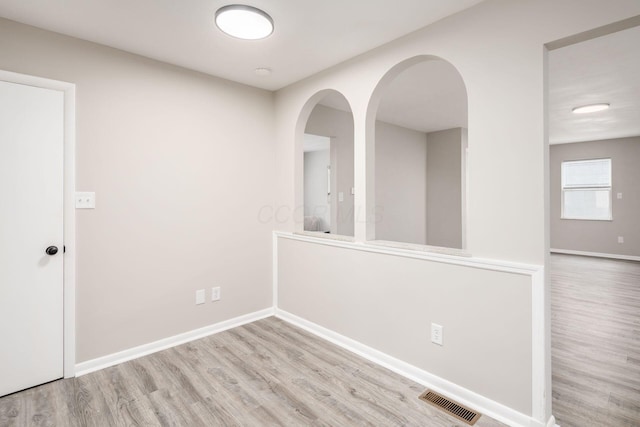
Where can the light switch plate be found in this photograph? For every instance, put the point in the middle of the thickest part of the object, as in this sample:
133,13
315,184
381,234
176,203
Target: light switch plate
619,195
85,200
341,196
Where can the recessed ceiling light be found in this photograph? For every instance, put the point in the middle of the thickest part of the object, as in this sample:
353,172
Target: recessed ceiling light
592,108
244,22
263,71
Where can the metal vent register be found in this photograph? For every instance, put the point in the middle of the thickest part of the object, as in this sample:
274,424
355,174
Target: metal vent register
450,407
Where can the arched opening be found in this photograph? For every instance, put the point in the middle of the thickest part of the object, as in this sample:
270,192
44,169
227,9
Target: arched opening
324,150
417,127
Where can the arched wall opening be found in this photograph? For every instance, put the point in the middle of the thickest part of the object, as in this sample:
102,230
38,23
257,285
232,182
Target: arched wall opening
416,139
324,141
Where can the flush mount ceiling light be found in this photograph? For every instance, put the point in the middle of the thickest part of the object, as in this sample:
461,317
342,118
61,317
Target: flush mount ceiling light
592,108
244,22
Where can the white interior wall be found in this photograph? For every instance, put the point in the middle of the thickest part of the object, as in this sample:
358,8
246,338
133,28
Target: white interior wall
390,303
498,47
401,178
183,190
444,188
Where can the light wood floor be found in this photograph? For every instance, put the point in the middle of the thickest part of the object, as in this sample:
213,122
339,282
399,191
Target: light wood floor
595,341
267,373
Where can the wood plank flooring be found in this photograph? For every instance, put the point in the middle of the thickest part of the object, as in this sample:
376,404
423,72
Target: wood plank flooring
268,373
595,341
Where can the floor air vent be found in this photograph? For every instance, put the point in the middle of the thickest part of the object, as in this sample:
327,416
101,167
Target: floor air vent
452,408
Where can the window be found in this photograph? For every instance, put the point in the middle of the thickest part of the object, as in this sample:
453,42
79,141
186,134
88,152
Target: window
586,189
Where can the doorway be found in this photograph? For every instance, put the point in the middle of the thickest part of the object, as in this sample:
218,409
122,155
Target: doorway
38,224
594,235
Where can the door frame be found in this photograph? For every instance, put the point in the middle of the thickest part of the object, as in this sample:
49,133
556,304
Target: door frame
69,278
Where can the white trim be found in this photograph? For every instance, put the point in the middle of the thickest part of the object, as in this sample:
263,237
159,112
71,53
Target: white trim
103,362
540,388
70,233
274,270
466,261
25,79
552,422
595,254
467,397
69,280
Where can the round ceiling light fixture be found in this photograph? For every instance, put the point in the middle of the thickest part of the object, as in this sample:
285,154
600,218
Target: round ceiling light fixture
244,22
591,108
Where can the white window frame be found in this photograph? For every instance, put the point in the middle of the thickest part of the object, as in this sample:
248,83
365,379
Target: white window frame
586,188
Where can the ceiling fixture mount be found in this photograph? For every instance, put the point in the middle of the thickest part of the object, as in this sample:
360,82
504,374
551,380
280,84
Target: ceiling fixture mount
591,108
244,22
263,71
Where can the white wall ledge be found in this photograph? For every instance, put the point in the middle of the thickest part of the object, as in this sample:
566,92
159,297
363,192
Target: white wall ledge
321,235
422,248
417,252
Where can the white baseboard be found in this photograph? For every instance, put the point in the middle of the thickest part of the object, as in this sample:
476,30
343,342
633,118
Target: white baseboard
145,349
595,254
467,397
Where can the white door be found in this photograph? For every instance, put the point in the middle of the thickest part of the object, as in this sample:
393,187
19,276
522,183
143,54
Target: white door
31,220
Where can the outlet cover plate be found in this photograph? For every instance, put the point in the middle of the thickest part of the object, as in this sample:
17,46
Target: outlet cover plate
436,334
85,200
215,294
200,296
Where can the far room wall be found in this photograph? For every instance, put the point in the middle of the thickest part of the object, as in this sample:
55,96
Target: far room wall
419,185
419,179
600,236
401,190
316,203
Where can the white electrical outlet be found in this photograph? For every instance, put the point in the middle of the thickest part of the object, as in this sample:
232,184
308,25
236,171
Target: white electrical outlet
619,195
85,200
200,296
215,294
436,334
620,239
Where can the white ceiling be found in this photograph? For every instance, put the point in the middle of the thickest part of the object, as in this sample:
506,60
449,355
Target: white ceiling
427,97
605,69
309,35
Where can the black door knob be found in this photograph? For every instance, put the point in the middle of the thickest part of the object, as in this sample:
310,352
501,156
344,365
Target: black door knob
52,250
